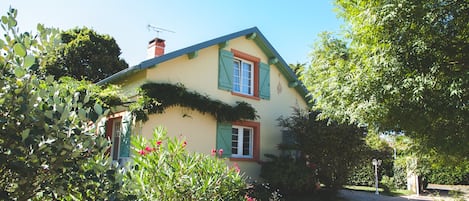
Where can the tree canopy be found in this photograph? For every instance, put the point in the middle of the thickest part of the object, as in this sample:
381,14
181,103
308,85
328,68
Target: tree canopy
399,65
49,149
85,54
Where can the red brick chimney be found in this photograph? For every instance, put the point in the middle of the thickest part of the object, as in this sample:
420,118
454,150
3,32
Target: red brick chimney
155,48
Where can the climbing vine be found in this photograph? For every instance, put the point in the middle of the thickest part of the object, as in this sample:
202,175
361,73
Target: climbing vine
155,98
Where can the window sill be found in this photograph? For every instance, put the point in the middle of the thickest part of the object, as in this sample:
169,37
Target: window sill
244,159
245,96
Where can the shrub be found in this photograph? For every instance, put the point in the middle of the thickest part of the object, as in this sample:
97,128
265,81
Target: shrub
164,170
388,184
289,175
262,191
449,175
335,148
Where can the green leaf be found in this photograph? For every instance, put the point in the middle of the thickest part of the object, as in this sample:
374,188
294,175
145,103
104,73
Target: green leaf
19,71
19,49
98,109
25,134
4,19
29,61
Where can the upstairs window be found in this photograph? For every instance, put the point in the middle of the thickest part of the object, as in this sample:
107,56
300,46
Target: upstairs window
243,74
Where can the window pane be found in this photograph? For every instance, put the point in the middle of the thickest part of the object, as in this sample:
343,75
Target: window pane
246,78
116,133
247,141
236,75
234,142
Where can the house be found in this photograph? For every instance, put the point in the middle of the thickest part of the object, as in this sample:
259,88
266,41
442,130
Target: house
239,67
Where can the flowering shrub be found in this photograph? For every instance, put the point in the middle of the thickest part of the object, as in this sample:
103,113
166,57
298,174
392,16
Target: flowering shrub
164,170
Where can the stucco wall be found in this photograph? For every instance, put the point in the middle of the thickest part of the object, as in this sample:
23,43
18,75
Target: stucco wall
200,74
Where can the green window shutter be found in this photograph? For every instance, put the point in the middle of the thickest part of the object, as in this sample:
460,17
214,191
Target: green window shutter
264,81
125,135
224,138
225,70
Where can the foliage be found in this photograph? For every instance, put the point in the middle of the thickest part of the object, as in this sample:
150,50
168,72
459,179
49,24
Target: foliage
401,65
450,171
400,175
319,140
388,184
48,145
85,54
289,175
164,170
263,191
156,97
363,173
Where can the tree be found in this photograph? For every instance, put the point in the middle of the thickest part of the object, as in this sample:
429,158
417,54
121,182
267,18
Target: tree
48,143
401,65
333,148
85,54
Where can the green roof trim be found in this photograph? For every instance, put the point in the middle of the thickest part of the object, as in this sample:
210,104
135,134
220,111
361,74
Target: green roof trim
251,33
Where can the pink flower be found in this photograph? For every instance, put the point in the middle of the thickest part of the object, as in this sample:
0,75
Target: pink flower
158,143
184,144
249,198
214,152
142,152
236,167
220,152
148,149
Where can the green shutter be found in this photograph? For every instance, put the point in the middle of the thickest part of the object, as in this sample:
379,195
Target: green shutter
125,135
225,70
224,138
264,81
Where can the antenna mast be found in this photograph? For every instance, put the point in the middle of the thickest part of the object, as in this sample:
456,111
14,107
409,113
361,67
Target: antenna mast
158,30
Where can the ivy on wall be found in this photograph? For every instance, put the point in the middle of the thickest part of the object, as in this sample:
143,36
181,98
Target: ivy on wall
157,97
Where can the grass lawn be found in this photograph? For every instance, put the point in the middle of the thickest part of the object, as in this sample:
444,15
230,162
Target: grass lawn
397,192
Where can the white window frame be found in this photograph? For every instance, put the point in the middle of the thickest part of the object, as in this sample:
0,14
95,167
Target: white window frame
115,139
250,86
240,142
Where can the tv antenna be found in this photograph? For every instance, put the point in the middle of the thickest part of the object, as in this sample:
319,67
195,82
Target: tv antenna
158,30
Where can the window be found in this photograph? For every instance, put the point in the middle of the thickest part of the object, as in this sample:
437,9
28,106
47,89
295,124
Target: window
116,133
242,142
243,74
117,128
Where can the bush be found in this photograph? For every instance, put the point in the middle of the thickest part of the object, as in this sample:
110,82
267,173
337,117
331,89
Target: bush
164,170
262,191
335,148
449,175
289,175
388,184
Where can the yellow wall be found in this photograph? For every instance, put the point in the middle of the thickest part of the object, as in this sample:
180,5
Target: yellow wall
200,74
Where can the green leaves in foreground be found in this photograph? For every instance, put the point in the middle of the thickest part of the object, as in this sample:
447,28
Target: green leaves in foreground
165,170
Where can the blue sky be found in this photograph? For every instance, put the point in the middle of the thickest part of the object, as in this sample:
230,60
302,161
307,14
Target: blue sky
290,26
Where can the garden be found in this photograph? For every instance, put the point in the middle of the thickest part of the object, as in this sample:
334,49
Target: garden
50,149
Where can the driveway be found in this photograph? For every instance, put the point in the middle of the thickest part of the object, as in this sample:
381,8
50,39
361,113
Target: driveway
350,195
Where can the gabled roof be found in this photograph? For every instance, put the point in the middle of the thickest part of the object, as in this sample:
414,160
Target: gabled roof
251,33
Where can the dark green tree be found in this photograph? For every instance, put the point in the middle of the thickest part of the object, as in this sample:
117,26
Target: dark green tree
85,54
401,65
333,148
49,148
